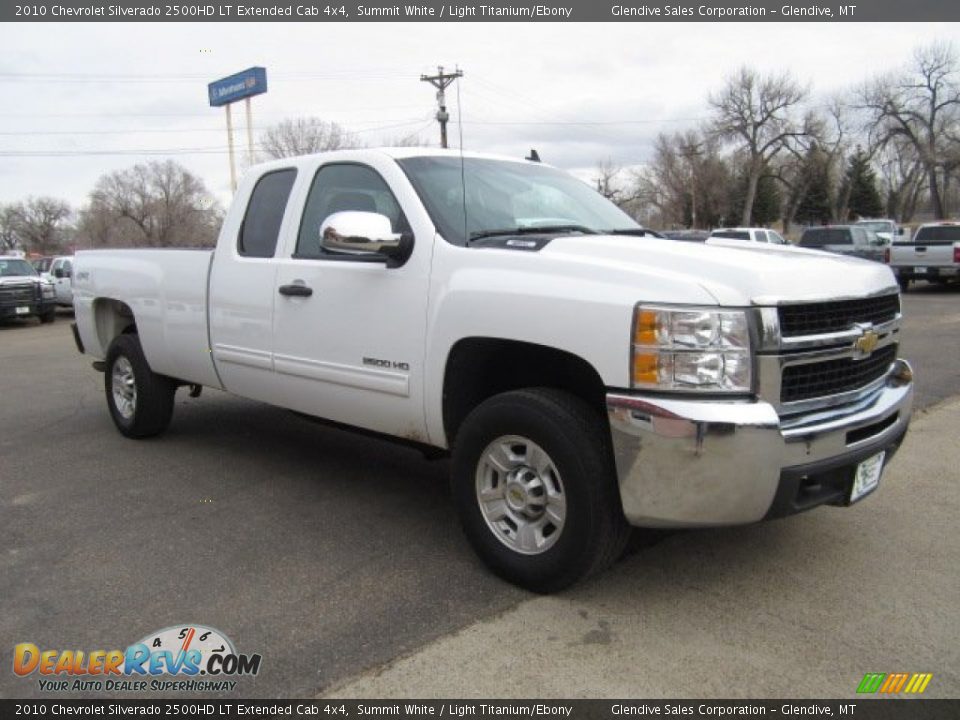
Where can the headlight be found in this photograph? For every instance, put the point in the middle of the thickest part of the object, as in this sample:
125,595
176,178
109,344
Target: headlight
691,349
49,290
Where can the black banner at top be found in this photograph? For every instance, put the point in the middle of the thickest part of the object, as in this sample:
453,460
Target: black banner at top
337,11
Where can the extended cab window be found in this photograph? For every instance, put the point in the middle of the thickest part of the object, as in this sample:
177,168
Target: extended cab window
261,224
938,233
342,187
732,234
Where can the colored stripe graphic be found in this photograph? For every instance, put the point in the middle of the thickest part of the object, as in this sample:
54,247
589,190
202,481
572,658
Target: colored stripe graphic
894,683
871,682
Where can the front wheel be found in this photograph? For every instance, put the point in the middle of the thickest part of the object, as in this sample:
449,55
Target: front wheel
535,488
48,317
140,401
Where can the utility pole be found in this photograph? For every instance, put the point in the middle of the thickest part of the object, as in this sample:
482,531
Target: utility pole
441,81
689,151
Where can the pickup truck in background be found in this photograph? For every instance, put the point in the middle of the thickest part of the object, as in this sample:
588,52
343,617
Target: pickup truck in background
23,292
933,255
583,377
886,230
846,240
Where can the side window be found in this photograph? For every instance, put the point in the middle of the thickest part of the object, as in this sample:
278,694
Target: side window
261,224
67,266
762,236
776,238
337,188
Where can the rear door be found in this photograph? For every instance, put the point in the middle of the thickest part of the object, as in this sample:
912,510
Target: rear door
242,294
352,350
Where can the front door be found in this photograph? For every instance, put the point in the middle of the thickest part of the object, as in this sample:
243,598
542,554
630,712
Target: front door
349,346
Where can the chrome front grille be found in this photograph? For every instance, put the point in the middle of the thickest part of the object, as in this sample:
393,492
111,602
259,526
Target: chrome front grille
17,294
832,377
831,317
818,355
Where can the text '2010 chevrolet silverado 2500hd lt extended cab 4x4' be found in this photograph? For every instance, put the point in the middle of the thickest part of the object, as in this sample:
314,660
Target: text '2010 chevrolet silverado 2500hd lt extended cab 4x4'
584,377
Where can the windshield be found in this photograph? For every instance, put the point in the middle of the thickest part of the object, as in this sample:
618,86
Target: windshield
11,268
877,225
504,196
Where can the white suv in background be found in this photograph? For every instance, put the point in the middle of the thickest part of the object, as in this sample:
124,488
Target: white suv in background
759,235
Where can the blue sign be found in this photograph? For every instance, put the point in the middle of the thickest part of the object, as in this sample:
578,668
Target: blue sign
248,83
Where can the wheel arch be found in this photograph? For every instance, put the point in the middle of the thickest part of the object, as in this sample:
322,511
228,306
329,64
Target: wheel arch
111,319
478,368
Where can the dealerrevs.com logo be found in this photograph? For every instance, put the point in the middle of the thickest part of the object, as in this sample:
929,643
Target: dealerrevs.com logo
186,657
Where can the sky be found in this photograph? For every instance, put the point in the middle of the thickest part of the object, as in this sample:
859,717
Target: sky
84,99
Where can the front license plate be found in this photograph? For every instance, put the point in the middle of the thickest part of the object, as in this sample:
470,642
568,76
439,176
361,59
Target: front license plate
867,477
23,311
920,270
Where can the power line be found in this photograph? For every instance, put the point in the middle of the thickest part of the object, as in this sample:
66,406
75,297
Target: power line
205,150
135,131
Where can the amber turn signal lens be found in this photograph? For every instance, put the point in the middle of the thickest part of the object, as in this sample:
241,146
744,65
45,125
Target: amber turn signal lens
645,367
645,330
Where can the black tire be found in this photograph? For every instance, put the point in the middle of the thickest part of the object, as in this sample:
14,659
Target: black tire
576,440
48,317
153,400
904,284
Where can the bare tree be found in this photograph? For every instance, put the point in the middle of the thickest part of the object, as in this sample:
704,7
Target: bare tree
411,140
607,178
686,181
158,204
8,234
901,178
40,225
303,136
758,114
922,107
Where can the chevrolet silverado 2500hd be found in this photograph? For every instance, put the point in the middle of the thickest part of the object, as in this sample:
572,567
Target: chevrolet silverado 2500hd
583,376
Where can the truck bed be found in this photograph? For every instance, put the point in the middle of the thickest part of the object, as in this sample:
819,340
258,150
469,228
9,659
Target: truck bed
167,291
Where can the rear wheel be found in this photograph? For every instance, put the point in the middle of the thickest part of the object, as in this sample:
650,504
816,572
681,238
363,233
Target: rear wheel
535,488
140,401
904,284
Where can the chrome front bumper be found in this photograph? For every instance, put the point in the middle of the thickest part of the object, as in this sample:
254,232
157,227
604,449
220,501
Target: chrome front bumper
689,463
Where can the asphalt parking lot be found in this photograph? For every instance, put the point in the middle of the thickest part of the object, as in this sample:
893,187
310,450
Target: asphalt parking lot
337,557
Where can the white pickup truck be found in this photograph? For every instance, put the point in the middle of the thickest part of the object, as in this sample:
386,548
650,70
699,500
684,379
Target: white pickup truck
933,255
583,377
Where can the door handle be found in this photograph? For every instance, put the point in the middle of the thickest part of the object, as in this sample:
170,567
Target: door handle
296,290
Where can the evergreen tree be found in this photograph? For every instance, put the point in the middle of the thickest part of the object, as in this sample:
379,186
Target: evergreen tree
815,208
862,180
766,203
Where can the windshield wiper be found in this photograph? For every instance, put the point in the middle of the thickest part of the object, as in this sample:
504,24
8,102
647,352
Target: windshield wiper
534,230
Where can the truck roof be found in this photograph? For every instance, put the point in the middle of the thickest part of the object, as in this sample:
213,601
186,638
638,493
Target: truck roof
397,153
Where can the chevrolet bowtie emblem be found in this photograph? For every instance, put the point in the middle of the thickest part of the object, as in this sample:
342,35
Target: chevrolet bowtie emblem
867,342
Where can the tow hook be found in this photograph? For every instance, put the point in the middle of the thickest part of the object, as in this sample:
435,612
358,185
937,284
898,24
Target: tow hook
195,390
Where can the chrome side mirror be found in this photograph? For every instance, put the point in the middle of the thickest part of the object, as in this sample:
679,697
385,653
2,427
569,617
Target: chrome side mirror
365,234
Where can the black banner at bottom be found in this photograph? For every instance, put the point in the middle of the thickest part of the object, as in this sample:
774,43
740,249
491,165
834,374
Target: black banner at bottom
872,709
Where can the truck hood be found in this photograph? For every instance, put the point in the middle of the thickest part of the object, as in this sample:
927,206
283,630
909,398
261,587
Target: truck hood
740,275
20,280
